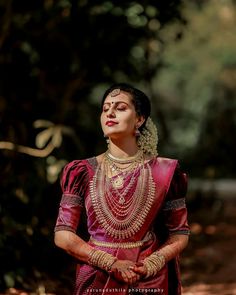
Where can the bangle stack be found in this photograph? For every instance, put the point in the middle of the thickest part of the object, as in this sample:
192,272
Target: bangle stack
101,259
154,263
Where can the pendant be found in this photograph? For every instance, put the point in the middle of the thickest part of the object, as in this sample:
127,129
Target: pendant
121,200
118,182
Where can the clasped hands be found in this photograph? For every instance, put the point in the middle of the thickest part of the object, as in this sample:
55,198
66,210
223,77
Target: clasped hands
128,271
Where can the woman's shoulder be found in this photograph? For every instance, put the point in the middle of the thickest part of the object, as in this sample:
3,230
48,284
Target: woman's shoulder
73,168
74,177
75,164
164,161
179,175
84,164
165,166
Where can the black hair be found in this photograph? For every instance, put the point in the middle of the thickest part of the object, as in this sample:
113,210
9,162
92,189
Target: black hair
140,100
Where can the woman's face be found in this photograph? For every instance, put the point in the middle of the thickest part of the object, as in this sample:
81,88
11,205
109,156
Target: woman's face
119,118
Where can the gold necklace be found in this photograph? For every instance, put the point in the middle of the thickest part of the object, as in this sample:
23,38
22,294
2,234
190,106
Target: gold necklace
122,220
117,186
126,160
112,161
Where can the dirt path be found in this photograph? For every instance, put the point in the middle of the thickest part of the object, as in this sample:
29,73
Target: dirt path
209,263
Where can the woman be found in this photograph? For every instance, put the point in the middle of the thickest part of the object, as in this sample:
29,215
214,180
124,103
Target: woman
134,202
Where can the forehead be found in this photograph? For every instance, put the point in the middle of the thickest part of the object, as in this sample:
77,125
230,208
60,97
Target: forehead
121,97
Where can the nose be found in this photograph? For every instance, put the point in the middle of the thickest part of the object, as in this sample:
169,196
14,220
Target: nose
111,113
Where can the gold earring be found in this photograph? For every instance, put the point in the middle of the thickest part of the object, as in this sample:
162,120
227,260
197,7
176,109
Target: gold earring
137,132
108,142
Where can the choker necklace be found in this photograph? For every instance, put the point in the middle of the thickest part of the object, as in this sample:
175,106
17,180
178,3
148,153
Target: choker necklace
123,160
118,172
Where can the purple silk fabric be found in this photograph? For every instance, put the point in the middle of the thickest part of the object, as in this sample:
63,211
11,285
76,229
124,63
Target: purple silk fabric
167,216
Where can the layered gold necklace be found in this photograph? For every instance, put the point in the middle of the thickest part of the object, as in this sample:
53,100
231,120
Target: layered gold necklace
122,192
118,168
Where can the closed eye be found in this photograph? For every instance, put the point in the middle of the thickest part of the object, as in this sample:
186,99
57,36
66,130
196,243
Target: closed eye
121,108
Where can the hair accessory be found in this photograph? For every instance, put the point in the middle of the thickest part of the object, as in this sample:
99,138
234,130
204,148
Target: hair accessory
148,139
115,92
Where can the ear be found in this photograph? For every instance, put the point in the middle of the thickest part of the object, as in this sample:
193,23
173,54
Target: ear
140,121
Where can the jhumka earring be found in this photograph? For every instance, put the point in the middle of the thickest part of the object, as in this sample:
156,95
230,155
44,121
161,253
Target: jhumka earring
137,132
107,139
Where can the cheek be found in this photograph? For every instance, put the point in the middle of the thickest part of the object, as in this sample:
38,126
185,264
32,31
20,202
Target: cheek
130,121
102,122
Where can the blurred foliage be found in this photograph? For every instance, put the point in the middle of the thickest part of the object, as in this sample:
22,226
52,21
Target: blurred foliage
56,59
198,87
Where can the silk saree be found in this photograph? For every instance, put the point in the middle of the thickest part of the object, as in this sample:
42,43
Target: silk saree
167,216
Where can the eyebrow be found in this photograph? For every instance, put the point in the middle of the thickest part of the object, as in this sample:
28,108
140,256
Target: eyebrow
116,102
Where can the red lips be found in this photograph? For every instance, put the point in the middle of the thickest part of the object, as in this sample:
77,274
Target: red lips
111,123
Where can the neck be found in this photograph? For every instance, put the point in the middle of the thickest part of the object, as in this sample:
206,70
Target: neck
123,149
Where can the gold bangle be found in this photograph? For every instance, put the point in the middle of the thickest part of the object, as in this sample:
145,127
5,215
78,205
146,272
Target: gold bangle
101,259
154,263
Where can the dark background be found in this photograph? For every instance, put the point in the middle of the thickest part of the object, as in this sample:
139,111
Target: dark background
56,60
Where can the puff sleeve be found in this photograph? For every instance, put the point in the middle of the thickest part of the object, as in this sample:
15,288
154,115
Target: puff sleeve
175,210
74,182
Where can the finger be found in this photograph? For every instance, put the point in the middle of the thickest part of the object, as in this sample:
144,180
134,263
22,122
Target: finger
132,277
139,264
125,278
137,269
136,280
140,270
119,276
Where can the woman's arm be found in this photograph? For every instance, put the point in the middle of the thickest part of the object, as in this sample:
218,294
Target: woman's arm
174,245
174,219
73,245
169,250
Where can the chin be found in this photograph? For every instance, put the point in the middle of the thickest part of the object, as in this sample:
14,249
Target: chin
114,135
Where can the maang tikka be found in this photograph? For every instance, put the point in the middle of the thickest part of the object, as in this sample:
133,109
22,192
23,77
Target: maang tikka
115,92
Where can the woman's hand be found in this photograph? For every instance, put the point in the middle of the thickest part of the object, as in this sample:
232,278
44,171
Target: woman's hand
140,269
123,271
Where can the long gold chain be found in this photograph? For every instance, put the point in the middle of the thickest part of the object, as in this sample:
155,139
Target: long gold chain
118,175
123,205
122,220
